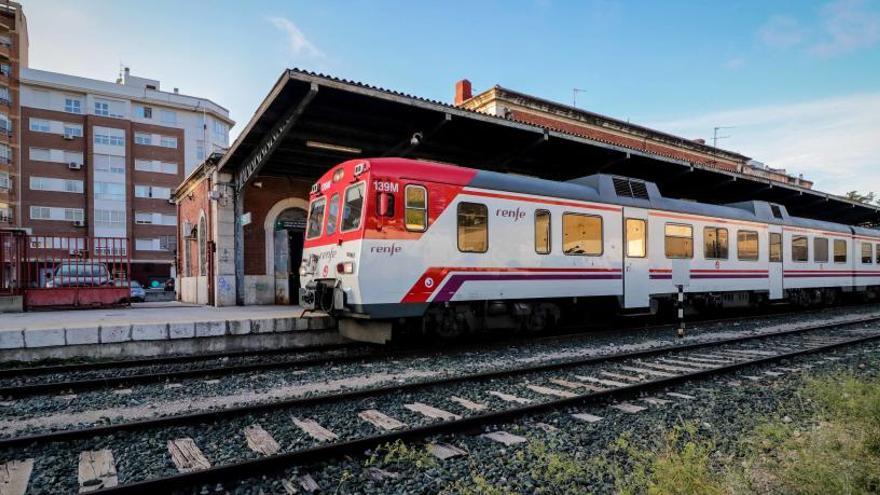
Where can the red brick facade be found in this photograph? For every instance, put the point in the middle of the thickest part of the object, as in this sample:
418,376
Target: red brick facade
258,201
190,208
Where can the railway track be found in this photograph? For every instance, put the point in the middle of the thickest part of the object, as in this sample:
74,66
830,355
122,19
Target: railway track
320,427
82,377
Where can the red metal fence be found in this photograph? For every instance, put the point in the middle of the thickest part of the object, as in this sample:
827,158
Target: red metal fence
65,271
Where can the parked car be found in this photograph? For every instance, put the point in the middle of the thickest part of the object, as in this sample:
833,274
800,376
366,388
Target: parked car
138,294
79,274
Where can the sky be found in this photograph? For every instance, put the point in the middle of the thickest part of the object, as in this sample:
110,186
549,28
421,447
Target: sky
796,82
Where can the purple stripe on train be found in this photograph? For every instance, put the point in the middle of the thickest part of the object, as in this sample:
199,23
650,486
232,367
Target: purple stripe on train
454,283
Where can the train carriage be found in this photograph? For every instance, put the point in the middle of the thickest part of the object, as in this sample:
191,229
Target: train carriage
398,243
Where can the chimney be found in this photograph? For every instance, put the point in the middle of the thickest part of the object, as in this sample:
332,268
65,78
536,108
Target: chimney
462,91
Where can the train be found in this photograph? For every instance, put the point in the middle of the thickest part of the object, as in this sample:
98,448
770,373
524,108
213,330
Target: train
401,245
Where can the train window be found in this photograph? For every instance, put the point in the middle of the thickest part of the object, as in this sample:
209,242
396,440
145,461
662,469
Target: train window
354,204
775,247
839,251
820,250
877,253
715,243
800,249
416,208
636,238
332,214
473,228
867,252
542,231
679,241
747,245
316,218
581,234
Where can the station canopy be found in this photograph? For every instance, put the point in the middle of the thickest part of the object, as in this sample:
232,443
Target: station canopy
310,122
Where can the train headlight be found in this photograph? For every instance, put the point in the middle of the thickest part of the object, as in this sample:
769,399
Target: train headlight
303,271
346,267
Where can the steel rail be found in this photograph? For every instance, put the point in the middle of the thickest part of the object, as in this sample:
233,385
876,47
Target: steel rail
313,455
75,386
126,363
301,402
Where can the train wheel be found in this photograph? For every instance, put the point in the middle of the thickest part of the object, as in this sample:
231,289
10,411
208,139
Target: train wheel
447,325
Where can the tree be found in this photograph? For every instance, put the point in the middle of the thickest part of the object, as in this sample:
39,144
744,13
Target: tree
867,198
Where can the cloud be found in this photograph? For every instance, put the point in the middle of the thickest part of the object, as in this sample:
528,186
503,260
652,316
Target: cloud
832,140
298,44
782,32
735,63
847,26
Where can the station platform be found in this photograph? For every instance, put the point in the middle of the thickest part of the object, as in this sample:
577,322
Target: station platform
161,328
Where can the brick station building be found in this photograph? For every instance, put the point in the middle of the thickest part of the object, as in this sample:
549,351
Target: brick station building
241,214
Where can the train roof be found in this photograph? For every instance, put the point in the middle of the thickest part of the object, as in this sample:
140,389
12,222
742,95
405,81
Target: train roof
624,191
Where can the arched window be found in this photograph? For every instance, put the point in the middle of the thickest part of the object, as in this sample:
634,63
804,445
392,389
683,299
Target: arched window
184,256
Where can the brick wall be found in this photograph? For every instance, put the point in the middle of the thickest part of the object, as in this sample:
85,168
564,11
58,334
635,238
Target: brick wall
258,202
190,209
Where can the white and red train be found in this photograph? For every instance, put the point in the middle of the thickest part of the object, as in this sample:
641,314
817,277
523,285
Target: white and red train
403,243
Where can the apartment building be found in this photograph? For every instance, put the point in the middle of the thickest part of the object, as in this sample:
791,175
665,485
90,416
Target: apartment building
13,56
86,157
102,158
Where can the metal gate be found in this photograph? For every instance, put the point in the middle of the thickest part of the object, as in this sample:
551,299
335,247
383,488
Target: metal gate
65,271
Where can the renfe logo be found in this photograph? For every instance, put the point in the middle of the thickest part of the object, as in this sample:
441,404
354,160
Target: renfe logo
514,214
389,250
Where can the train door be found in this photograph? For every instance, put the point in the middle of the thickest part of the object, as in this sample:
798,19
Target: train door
636,264
774,256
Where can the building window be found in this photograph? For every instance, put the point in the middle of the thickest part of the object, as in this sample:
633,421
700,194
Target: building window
109,217
839,251
5,124
168,116
636,238
747,245
102,108
581,234
109,190
415,208
715,243
57,185
800,249
142,191
40,125
40,154
72,105
5,41
6,154
109,163
200,150
4,95
73,130
143,112
143,218
473,228
168,142
143,138
73,214
820,250
867,252
109,140
4,181
542,231
40,213
679,241
5,69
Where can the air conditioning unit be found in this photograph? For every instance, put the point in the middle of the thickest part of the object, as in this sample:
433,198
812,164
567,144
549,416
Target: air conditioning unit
79,223
68,137
74,166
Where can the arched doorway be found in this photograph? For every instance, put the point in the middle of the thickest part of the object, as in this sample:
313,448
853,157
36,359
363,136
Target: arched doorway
289,234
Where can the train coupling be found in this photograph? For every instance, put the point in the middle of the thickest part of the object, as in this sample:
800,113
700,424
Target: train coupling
322,295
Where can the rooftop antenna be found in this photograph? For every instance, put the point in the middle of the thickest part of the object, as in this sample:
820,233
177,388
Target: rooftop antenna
574,94
716,137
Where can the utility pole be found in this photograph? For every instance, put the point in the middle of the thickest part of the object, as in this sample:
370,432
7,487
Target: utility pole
716,137
574,94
